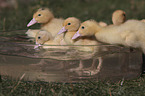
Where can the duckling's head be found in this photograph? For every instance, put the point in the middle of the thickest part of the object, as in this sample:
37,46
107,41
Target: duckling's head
42,37
43,15
87,28
118,17
70,24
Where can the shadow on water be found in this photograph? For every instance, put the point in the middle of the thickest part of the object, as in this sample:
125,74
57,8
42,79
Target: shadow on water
65,63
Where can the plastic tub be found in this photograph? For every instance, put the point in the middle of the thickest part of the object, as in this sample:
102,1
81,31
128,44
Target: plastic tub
18,58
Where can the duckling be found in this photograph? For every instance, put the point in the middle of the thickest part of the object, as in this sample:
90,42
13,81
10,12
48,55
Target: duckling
45,38
118,17
70,27
130,34
49,23
42,36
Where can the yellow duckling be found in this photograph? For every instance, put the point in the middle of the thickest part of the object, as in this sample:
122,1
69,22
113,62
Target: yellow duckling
118,17
49,23
42,37
45,38
70,27
131,33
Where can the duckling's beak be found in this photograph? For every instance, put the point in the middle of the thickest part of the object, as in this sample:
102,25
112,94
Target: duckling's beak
37,45
62,31
76,35
33,21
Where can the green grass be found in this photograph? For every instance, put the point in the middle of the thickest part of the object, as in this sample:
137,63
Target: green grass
90,88
100,10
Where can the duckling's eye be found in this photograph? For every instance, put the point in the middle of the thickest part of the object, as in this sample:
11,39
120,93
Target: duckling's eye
39,14
124,15
83,27
69,24
39,37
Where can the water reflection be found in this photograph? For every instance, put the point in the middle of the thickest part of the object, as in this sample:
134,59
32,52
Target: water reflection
65,63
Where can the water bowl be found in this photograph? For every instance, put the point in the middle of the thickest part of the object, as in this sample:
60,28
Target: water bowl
19,59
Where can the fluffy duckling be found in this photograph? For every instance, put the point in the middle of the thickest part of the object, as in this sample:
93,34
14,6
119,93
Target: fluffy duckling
118,17
45,38
131,33
42,37
70,27
49,23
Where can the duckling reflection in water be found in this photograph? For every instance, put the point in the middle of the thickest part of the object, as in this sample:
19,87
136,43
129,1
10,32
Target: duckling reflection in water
70,27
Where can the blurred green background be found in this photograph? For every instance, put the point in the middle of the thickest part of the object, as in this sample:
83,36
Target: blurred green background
16,15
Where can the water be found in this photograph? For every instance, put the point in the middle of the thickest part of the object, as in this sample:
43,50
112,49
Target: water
18,58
